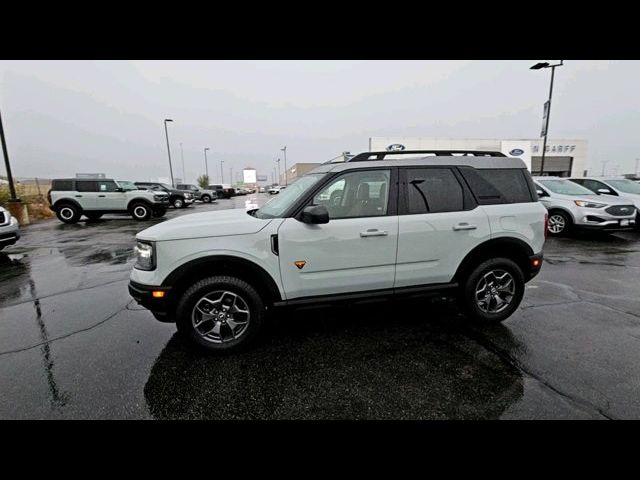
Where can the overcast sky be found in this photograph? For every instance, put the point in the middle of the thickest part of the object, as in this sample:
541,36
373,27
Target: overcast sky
64,117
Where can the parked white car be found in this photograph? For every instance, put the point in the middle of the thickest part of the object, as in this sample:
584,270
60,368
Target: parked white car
9,229
276,189
608,187
470,226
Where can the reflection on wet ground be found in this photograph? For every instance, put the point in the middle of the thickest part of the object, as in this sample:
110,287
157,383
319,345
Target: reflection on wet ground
73,344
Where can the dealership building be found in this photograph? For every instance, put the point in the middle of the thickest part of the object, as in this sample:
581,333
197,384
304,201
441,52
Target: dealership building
563,158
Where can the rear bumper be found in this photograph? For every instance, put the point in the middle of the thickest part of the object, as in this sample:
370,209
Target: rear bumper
535,264
143,294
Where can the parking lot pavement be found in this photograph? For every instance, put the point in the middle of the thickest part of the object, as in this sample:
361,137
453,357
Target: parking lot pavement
74,345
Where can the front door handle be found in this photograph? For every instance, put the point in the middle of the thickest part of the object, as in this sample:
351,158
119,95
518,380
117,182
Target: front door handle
101,196
464,226
78,196
374,232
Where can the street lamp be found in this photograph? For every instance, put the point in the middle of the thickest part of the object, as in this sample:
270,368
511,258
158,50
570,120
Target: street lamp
168,149
221,172
206,165
539,66
285,164
5,152
184,175
278,162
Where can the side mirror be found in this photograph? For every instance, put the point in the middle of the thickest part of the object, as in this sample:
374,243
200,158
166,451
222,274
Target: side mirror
605,191
540,193
315,214
119,189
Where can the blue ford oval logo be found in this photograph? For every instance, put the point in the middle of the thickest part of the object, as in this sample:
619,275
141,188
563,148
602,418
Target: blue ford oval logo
395,147
516,152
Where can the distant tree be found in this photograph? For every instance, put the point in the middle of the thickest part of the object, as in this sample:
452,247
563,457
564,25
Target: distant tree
203,181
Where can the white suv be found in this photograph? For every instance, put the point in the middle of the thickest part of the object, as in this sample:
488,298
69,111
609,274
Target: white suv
71,198
469,225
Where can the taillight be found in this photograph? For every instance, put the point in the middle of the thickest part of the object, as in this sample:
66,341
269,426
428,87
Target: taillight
546,225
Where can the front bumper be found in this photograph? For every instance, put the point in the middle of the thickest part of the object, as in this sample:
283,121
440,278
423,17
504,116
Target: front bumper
9,234
143,294
592,222
189,201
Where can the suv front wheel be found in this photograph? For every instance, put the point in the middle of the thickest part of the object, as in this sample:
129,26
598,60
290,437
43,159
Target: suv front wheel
493,290
220,313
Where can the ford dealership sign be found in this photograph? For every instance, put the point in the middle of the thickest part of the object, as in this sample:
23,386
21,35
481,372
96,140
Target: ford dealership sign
516,152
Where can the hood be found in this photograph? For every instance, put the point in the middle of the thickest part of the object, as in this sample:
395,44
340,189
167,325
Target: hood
608,199
631,198
205,224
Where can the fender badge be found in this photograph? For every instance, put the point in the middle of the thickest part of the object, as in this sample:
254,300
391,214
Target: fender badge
300,264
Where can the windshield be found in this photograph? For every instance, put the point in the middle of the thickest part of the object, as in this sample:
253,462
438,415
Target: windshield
126,185
168,187
625,186
565,187
279,204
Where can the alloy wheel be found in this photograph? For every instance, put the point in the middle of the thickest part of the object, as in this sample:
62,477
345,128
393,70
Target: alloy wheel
495,291
220,316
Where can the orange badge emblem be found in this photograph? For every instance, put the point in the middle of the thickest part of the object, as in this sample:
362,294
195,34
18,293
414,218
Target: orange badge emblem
300,264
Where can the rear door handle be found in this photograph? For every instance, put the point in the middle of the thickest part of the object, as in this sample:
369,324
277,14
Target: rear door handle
78,196
464,226
101,196
374,232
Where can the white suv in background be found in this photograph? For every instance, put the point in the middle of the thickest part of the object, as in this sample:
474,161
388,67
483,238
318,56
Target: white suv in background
369,227
624,188
70,198
9,229
573,206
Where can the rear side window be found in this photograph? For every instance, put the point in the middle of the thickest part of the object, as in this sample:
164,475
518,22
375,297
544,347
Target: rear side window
62,185
86,186
498,185
432,190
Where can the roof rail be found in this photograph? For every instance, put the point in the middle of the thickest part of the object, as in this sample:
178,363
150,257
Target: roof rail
366,156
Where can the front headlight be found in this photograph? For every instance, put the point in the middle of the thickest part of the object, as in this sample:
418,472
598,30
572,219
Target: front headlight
145,255
583,203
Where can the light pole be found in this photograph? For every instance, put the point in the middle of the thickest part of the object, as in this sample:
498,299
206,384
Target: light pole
231,175
285,164
168,149
539,66
637,172
5,152
604,162
206,164
221,172
278,162
184,175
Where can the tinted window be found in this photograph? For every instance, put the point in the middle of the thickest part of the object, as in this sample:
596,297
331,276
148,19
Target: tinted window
86,186
498,185
62,185
432,190
356,194
594,185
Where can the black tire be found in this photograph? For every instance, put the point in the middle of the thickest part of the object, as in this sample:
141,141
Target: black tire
476,279
159,212
93,217
68,213
248,295
206,198
140,211
559,221
177,202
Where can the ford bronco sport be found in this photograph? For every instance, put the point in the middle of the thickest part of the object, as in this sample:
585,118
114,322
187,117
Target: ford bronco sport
73,197
468,223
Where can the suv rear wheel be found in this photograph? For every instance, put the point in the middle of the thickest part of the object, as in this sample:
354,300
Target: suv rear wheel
68,213
206,198
220,313
140,211
493,290
177,202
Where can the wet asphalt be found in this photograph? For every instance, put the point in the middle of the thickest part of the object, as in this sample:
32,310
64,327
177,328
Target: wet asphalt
74,345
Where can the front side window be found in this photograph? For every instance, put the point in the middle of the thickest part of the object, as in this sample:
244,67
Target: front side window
279,204
107,186
432,190
356,194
